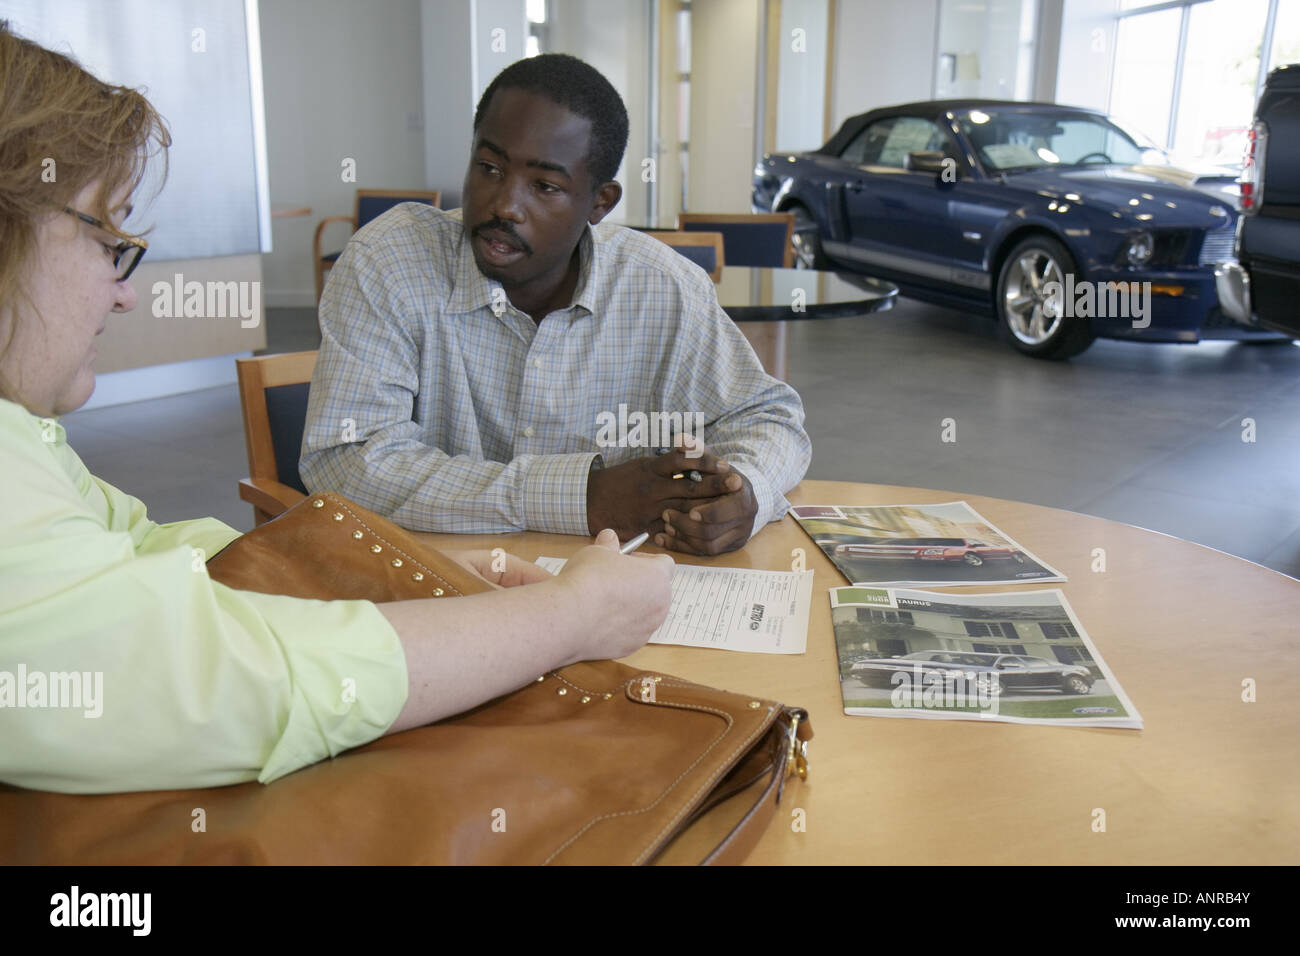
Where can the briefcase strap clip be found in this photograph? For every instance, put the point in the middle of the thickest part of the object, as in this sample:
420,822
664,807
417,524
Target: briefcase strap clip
797,755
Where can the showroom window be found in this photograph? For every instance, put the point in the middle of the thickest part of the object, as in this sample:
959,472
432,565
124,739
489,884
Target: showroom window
536,41
1187,73
986,49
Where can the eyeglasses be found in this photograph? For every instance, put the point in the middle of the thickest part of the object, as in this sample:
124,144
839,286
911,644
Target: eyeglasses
126,254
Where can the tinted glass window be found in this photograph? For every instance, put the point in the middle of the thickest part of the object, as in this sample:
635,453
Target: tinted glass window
887,142
1028,140
864,148
909,134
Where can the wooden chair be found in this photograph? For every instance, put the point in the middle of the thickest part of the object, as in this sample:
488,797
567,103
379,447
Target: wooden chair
751,239
702,248
371,203
273,394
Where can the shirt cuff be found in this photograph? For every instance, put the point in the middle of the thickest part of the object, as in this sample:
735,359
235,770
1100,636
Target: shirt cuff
554,493
771,504
349,682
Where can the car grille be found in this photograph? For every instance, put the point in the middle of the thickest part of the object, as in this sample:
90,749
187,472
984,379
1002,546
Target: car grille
1218,246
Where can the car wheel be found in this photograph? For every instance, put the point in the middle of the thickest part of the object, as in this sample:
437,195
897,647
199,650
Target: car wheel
1033,321
973,559
807,241
1077,685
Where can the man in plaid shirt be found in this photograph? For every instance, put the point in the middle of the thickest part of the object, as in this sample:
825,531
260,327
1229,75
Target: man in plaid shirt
473,362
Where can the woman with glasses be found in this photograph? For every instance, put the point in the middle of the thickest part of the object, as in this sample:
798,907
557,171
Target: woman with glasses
182,682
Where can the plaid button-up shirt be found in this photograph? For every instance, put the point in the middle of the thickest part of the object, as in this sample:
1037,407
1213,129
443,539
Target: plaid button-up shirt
433,408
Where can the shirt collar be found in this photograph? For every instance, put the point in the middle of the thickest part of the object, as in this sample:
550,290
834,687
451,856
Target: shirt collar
473,290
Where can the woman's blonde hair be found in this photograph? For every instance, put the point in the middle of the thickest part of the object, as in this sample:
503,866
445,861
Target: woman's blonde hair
61,129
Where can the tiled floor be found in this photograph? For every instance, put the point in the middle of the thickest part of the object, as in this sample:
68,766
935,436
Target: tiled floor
1146,434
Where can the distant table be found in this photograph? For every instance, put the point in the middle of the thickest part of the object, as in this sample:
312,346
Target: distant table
1211,780
761,301
289,212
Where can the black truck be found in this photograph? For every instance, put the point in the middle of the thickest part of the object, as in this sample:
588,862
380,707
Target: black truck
1263,286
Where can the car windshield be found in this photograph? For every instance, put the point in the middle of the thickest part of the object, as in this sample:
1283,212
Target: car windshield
1018,140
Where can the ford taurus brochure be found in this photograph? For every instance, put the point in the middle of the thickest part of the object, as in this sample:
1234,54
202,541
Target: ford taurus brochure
1019,657
941,545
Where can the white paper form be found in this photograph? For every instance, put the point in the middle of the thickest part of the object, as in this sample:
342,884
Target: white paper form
735,609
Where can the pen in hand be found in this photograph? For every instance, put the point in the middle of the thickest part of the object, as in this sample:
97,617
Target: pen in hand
635,543
694,475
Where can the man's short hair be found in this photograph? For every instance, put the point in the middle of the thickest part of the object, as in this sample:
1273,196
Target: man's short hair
582,90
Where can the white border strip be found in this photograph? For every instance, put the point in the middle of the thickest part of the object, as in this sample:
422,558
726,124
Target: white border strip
256,94
157,381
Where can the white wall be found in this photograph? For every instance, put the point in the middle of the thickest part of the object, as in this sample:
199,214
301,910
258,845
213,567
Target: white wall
724,57
614,37
342,80
449,95
1086,53
884,54
801,75
498,29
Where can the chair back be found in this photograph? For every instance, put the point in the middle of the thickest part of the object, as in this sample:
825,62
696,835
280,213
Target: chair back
756,239
286,413
273,393
373,203
705,249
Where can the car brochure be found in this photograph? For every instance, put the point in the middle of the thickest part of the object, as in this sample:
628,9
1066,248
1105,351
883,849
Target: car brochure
940,545
1019,657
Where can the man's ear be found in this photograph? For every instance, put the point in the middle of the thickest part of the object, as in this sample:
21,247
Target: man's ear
607,197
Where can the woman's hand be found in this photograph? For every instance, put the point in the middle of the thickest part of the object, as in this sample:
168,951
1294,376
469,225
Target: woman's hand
622,599
463,651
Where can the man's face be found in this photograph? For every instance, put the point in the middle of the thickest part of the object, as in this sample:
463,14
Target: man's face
528,192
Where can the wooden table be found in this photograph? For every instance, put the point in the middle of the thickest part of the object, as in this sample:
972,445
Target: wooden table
1211,780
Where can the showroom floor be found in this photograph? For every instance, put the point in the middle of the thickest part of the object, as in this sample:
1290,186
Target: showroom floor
1147,434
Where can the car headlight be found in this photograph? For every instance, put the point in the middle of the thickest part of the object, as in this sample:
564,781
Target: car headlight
1141,245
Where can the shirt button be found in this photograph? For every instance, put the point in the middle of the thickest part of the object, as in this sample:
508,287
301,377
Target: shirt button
537,363
528,432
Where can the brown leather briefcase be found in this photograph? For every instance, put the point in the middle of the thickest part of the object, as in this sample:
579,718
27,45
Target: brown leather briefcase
597,762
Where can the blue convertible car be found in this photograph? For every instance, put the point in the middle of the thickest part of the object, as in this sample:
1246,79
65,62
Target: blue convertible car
1053,219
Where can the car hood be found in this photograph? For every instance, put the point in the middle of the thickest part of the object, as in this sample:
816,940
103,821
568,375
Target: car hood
1165,195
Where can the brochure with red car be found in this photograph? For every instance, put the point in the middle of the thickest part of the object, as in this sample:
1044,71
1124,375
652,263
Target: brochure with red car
1019,656
939,545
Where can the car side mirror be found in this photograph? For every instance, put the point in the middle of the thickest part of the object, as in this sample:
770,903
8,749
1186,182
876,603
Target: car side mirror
929,161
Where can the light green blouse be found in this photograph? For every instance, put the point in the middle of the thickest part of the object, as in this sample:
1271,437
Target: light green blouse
123,666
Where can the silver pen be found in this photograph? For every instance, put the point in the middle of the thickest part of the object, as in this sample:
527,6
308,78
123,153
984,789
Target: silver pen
635,543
